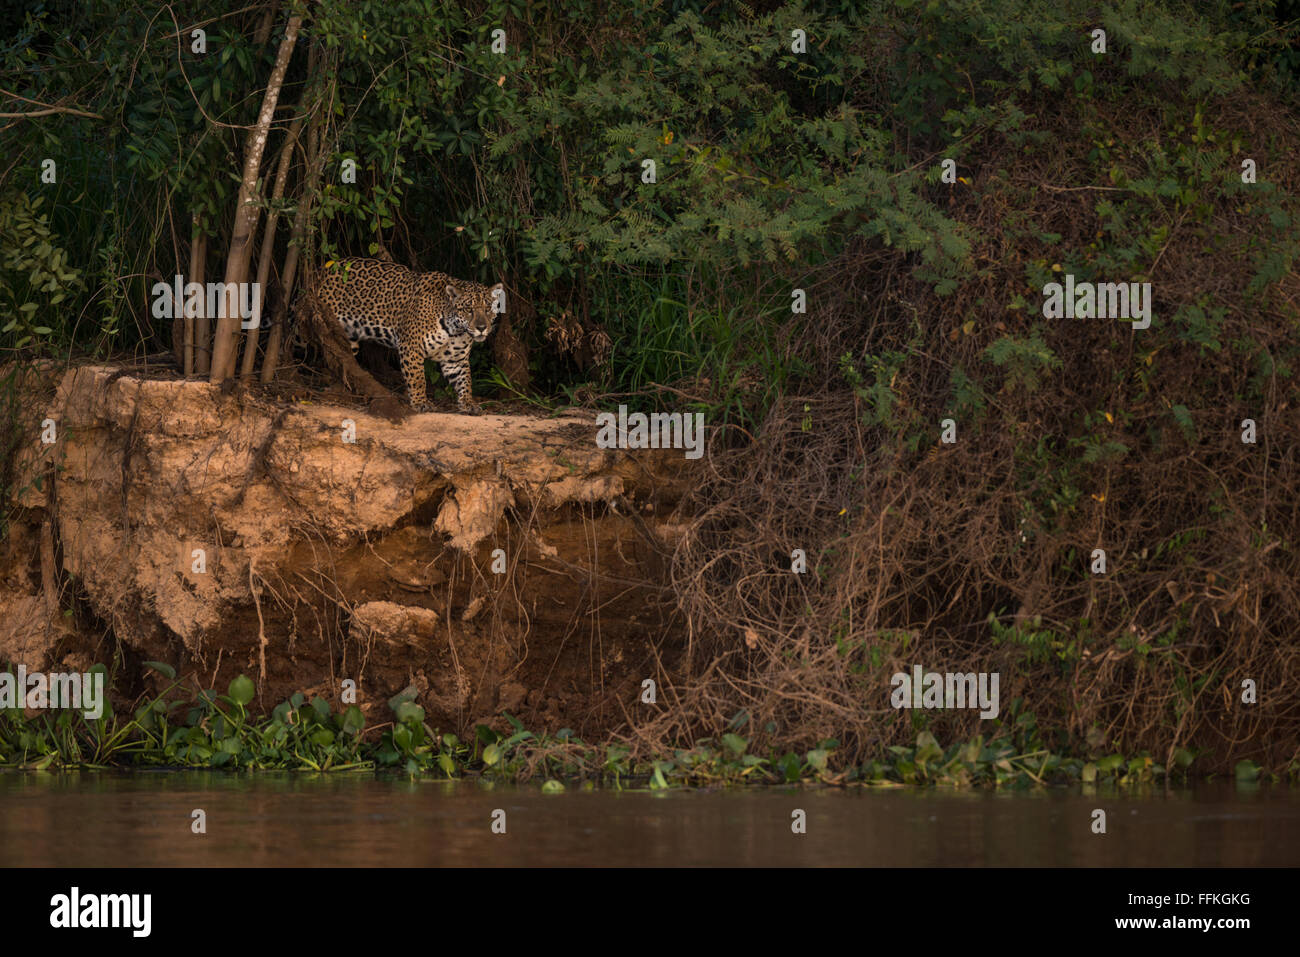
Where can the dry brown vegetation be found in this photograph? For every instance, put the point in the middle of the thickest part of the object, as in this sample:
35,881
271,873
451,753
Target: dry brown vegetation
912,551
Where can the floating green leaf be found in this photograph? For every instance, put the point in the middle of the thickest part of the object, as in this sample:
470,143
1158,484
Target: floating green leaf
241,690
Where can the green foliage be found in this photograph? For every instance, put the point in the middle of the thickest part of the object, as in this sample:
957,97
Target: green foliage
774,164
778,170
1024,359
1037,645
967,397
530,162
876,388
1201,325
35,274
215,731
733,362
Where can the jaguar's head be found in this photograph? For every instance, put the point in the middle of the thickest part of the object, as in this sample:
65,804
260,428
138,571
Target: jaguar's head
475,308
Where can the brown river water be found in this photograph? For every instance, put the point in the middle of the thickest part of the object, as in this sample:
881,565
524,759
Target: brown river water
144,818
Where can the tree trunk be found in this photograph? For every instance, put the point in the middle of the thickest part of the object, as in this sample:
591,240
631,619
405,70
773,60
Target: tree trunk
263,31
298,233
271,361
246,212
198,333
267,249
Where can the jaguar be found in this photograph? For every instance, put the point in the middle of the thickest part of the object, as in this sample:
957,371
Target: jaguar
420,314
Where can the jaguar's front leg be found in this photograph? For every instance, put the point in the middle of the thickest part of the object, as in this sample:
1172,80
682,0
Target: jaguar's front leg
413,372
456,371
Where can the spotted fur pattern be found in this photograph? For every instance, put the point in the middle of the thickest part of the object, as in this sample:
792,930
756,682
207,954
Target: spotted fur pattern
421,315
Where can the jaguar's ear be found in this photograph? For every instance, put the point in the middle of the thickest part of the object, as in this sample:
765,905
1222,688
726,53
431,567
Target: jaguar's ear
451,292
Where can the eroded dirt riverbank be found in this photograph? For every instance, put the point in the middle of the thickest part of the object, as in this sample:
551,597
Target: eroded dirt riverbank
495,563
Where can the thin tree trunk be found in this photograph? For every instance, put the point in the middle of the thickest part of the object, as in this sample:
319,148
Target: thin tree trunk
267,249
178,314
247,212
198,332
315,161
271,361
263,31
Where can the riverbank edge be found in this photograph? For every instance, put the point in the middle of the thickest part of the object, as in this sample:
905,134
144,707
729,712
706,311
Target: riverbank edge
216,731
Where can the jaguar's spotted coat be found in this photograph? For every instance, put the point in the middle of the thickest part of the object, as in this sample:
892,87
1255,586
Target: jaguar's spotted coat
421,315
